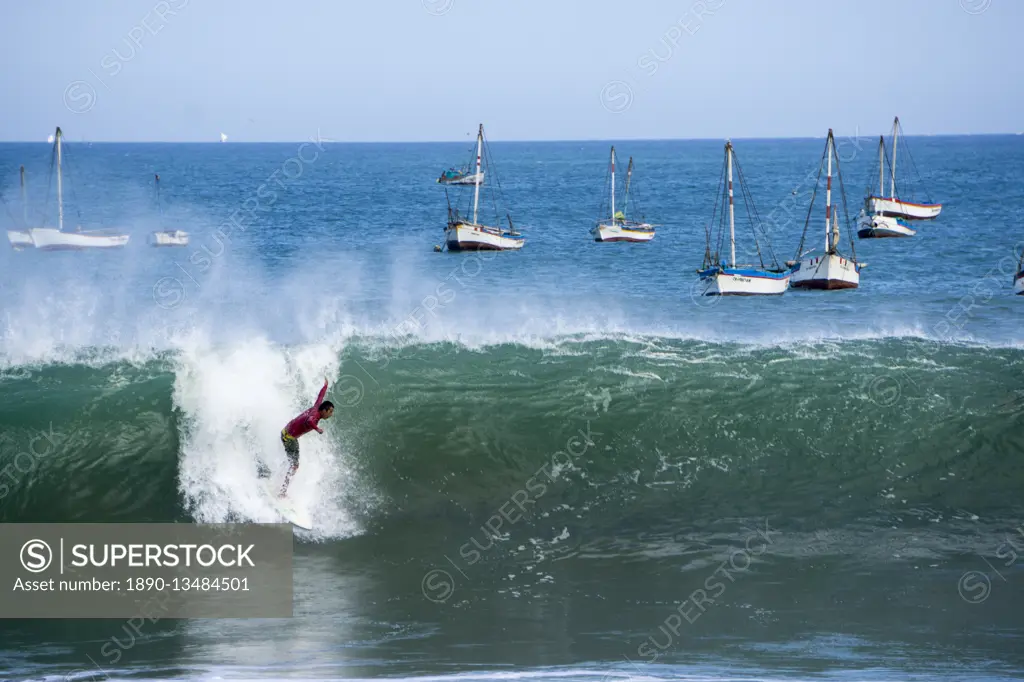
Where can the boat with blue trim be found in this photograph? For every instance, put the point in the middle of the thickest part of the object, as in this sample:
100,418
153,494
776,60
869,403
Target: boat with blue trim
721,278
459,176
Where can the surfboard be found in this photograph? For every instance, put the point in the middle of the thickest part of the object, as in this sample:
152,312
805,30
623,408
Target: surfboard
288,508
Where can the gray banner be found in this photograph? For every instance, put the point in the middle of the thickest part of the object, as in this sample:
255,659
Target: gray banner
145,570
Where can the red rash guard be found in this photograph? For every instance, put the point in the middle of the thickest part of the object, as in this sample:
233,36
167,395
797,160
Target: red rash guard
308,420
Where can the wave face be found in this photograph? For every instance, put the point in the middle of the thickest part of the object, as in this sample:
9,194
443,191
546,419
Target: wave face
635,431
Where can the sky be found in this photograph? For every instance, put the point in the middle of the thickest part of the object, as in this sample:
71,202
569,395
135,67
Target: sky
426,70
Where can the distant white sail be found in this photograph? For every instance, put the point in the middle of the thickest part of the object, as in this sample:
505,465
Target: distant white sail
223,137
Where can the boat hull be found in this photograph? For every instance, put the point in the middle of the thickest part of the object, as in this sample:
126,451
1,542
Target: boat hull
903,209
470,237
20,239
52,239
641,232
744,282
175,238
826,272
1018,283
881,227
464,180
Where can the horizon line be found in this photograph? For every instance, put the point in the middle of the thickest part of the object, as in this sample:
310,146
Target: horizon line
518,140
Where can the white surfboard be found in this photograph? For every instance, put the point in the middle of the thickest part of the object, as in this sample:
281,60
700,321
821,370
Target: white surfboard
287,507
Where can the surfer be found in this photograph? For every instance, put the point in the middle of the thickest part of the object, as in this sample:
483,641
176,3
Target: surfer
301,425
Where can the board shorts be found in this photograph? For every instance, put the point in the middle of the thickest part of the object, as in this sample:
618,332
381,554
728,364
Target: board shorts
291,447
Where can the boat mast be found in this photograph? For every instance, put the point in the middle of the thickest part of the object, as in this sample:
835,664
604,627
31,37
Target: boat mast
24,199
895,134
476,180
828,195
881,166
613,184
732,220
60,189
629,177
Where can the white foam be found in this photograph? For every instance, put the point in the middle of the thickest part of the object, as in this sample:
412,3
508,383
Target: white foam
235,400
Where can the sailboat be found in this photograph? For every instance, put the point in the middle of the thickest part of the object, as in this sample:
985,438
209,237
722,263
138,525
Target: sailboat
470,235
55,238
166,237
873,222
21,239
893,205
831,269
725,279
619,227
459,176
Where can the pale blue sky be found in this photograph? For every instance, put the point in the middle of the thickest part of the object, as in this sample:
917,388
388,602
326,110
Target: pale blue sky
393,70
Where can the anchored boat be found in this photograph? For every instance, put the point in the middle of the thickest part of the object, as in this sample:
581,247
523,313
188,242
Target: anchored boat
619,227
471,235
895,205
166,237
459,176
55,238
730,278
873,223
831,269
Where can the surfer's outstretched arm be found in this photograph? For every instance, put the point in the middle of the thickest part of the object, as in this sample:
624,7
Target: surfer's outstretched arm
320,396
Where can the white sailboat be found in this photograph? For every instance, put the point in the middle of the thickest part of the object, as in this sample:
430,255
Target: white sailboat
619,227
831,269
893,205
471,235
55,238
21,239
166,237
733,279
872,222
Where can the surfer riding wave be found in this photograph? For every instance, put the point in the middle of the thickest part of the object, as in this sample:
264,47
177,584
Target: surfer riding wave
301,425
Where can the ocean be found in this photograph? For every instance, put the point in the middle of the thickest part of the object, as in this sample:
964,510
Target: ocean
817,486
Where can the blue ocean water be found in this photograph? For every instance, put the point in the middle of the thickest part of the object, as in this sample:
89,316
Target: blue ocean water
872,435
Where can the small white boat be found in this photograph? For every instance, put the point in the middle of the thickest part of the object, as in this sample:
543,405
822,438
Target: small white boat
878,225
55,238
894,206
471,235
623,231
466,236
20,239
731,279
619,227
904,209
169,238
166,237
457,176
831,269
